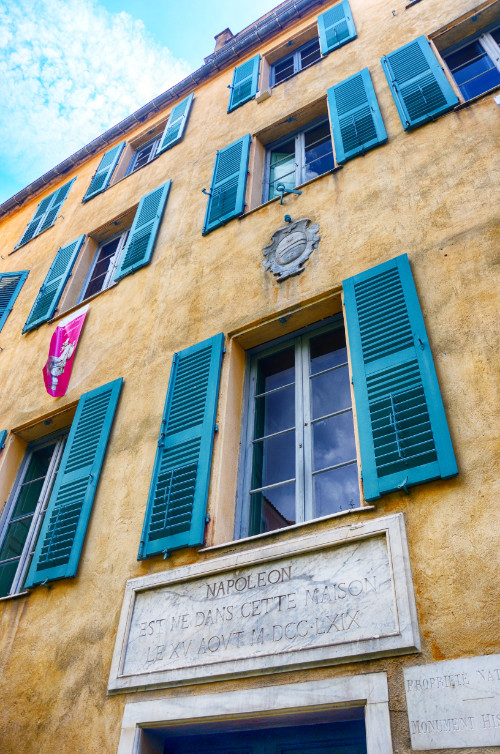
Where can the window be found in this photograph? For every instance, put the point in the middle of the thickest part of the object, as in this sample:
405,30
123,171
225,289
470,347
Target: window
300,459
25,510
298,158
143,155
46,214
104,265
476,65
296,61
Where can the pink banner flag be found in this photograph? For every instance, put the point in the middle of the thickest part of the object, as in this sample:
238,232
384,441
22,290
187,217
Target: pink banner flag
57,370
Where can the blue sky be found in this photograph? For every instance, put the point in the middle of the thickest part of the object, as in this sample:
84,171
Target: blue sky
70,69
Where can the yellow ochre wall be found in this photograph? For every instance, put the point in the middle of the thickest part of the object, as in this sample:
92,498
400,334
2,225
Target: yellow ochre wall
432,193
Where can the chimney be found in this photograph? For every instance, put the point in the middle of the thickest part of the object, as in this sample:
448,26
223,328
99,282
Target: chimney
222,38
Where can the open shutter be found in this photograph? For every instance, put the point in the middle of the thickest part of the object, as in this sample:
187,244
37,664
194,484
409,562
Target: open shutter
53,285
419,86
245,83
3,437
104,172
174,130
32,226
63,530
176,508
229,180
336,27
10,285
403,434
139,247
46,213
357,124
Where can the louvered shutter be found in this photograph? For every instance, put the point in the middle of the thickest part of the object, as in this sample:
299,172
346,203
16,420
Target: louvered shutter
10,285
104,172
174,130
176,508
139,247
32,226
229,180
419,86
3,437
63,530
53,285
58,200
336,27
357,124
245,83
403,434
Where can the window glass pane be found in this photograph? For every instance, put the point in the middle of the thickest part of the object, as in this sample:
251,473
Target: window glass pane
276,370
496,35
333,441
336,490
143,155
273,460
283,69
13,544
473,70
104,259
33,481
272,509
310,53
328,350
282,167
319,153
275,412
7,573
330,392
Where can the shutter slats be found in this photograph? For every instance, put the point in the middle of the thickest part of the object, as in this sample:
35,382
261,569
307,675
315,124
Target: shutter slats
355,116
141,240
103,174
336,27
63,531
245,83
46,213
53,285
404,437
418,83
176,124
227,192
175,514
10,286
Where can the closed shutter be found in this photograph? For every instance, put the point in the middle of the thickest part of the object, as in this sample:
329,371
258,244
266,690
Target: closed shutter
53,285
3,437
336,27
176,508
63,530
229,180
174,130
357,124
419,86
139,247
104,172
403,433
10,285
46,213
245,83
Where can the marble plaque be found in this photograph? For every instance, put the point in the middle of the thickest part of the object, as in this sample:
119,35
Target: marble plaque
454,704
333,597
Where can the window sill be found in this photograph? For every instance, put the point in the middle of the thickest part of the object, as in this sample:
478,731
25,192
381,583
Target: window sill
302,185
15,596
294,527
475,99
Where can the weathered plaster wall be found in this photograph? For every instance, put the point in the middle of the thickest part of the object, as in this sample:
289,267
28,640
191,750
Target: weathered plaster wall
432,193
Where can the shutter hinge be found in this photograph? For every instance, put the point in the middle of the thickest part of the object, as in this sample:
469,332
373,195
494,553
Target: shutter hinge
207,518
46,583
224,349
216,428
403,485
422,344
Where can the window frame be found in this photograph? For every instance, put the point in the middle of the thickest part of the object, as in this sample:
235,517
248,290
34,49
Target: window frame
490,47
304,494
114,261
28,550
300,149
296,56
155,142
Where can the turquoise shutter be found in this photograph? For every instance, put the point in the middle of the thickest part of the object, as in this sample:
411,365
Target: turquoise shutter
53,285
3,437
174,130
139,247
63,530
403,434
419,86
245,83
357,123
46,213
104,172
336,27
229,180
176,508
10,285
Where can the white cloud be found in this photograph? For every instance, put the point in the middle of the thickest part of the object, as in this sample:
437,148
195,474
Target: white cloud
70,69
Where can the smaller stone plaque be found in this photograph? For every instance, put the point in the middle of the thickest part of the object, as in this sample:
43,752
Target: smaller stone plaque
454,704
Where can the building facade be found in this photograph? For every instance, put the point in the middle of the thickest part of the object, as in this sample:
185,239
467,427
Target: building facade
262,517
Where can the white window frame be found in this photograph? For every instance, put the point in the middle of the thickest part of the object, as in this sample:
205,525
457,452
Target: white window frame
304,493
114,261
491,48
133,160
296,56
41,507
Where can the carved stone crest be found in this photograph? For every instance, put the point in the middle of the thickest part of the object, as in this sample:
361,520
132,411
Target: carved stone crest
290,248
